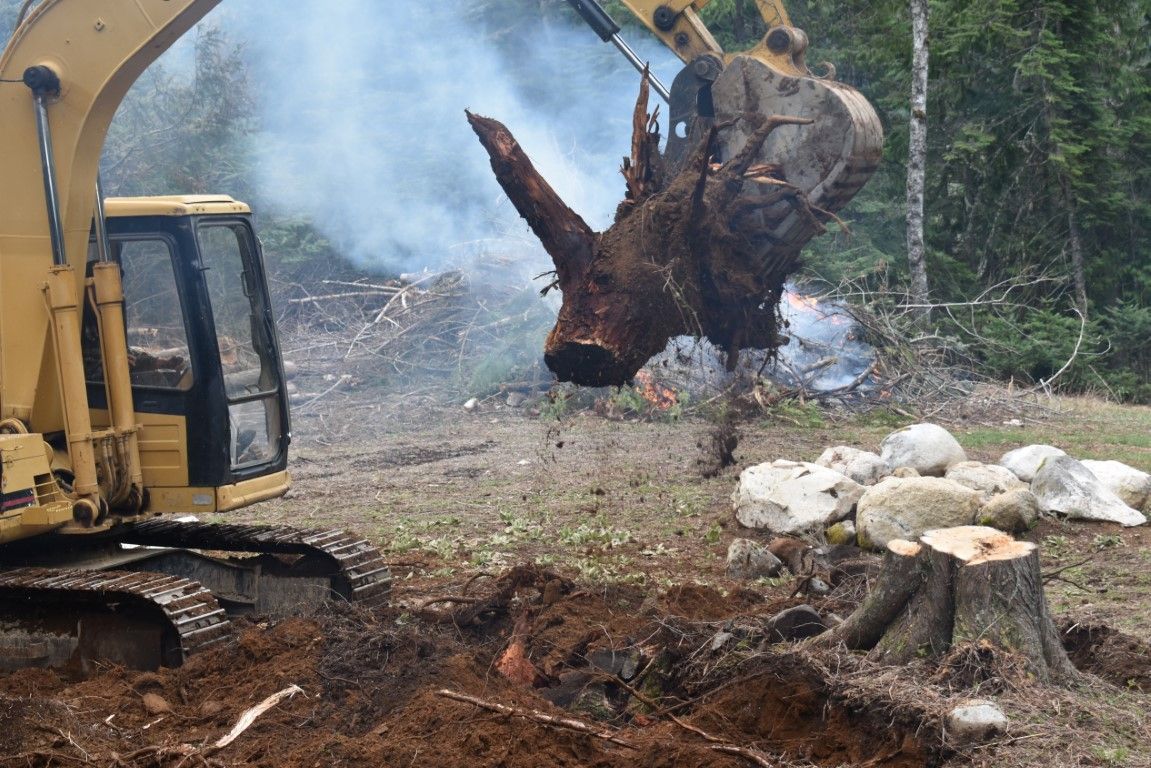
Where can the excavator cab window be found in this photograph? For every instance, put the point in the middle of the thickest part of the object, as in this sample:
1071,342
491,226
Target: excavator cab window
203,354
245,339
158,352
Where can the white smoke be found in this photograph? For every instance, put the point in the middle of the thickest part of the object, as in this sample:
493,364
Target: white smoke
362,125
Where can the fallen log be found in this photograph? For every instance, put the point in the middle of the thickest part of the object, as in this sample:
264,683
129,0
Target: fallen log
955,586
686,255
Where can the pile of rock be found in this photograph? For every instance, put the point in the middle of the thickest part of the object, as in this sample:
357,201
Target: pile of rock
921,480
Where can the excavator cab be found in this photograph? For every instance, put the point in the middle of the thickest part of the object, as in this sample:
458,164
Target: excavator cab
203,355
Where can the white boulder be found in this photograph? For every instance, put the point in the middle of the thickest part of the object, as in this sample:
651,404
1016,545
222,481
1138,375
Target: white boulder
1025,461
864,467
908,507
928,448
793,497
1129,484
974,720
1065,487
989,479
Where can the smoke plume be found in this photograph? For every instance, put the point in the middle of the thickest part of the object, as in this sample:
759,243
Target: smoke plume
362,124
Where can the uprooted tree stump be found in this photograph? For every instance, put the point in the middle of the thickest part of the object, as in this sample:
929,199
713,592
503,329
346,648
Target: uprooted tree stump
686,255
968,584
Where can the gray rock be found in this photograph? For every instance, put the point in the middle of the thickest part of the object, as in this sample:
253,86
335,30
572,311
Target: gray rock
796,623
975,720
793,497
1025,462
988,479
1129,484
1014,511
1065,487
863,467
906,508
747,561
928,448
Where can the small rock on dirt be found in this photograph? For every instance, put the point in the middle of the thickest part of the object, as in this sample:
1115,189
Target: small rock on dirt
1026,461
748,560
155,704
798,623
975,720
470,404
1065,487
929,448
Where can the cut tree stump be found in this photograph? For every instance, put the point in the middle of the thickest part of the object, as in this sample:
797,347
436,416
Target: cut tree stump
686,255
961,585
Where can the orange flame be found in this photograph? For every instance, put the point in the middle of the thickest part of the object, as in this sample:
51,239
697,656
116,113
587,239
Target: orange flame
658,395
801,303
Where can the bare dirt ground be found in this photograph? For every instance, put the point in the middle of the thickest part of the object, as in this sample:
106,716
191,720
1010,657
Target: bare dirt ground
574,567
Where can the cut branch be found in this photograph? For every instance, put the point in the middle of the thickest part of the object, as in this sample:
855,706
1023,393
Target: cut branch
565,235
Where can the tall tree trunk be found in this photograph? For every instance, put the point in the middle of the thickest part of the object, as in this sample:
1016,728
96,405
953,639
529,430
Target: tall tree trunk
917,162
1075,245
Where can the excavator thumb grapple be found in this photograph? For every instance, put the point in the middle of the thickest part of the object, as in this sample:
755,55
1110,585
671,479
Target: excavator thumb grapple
828,161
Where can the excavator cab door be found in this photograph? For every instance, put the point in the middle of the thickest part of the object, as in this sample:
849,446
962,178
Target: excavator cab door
207,379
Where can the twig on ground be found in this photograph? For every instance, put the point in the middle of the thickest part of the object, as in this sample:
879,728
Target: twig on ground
718,744
748,754
339,380
251,714
566,723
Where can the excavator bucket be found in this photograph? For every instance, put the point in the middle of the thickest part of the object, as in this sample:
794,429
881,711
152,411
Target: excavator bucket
829,160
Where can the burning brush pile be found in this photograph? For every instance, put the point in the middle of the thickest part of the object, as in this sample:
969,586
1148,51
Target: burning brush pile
434,333
446,336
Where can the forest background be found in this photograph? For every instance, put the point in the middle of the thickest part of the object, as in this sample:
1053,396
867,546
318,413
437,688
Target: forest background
1038,184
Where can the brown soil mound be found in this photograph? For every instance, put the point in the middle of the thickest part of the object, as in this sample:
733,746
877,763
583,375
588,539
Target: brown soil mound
1118,658
616,660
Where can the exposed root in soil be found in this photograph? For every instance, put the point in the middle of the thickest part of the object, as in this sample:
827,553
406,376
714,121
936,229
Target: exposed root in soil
685,678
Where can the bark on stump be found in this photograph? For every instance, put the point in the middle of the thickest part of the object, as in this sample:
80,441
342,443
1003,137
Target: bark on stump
685,256
968,584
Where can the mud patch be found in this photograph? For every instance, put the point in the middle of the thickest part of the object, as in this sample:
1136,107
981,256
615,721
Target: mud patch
371,683
1118,658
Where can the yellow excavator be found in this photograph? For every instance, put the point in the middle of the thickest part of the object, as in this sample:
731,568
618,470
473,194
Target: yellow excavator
141,382
140,378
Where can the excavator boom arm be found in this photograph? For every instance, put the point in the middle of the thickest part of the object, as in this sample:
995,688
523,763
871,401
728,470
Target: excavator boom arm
97,48
677,23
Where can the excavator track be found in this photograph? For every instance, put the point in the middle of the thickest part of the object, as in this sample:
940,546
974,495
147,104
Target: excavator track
73,600
360,576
